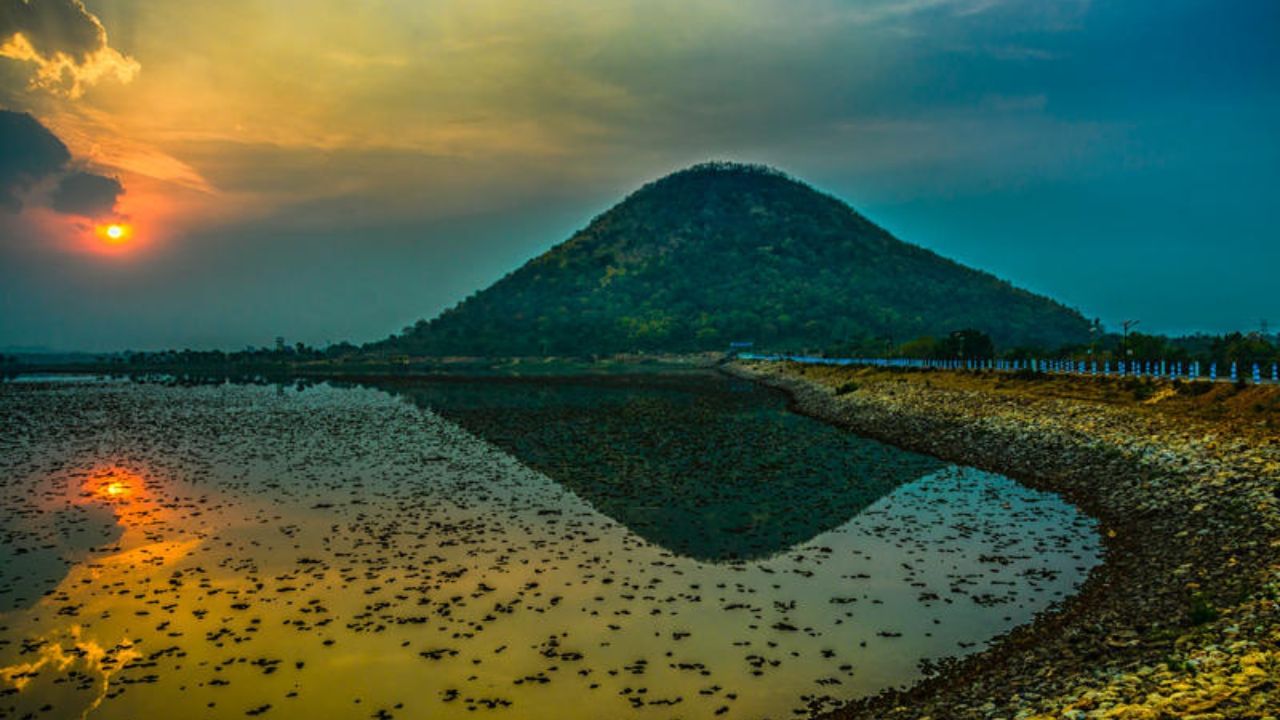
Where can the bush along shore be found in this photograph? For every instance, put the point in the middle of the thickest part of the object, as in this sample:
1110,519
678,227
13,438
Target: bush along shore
1183,618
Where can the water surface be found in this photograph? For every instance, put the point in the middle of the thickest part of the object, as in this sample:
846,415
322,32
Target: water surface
656,549
707,467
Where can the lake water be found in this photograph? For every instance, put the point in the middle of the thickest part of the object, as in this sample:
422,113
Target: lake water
647,547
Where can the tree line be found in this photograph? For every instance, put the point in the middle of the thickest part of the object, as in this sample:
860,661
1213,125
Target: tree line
1241,347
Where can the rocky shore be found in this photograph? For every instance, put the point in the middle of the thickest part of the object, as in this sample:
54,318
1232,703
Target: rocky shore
1183,618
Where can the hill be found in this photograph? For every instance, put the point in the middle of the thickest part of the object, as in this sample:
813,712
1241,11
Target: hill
724,252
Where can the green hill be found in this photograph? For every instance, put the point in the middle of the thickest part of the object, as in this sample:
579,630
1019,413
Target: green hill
725,252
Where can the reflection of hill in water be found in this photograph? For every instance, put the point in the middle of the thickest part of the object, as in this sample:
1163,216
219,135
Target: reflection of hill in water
707,467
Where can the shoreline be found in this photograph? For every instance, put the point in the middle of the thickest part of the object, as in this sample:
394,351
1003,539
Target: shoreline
1180,619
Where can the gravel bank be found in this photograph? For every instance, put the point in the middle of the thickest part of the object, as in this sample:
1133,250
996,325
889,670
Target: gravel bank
1183,618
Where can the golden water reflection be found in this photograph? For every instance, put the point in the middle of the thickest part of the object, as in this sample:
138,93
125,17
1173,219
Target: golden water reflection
124,490
341,554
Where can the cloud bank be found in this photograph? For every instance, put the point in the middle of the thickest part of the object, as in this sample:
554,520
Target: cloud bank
28,153
64,41
31,156
84,193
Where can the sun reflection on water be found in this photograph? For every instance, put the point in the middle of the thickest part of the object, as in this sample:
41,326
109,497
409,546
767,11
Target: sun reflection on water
125,492
114,484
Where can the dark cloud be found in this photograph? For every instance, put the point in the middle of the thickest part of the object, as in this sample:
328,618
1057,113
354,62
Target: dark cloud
84,193
28,153
65,42
53,27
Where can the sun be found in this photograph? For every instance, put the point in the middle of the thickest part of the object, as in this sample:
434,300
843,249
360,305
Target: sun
115,233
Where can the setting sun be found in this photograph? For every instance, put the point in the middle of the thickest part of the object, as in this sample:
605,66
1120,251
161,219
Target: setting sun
115,233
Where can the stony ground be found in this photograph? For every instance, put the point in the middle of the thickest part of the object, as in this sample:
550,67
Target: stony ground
1183,619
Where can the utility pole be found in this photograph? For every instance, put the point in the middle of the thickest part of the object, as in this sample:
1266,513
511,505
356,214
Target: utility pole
1126,324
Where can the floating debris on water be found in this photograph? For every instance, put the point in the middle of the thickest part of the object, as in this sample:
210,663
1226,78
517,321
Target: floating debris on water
336,552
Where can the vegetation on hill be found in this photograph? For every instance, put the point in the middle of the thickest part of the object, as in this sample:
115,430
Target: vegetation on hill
724,252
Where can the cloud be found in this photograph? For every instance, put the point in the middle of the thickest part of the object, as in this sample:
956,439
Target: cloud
87,194
32,157
28,154
66,43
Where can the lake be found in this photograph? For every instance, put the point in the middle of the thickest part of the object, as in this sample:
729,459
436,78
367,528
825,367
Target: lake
636,546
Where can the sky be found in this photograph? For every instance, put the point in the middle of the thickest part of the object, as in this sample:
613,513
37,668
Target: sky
333,170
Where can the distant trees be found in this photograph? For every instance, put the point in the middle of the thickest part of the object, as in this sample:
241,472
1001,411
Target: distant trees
1243,348
250,356
1240,347
968,344
1142,346
342,349
1246,348
925,347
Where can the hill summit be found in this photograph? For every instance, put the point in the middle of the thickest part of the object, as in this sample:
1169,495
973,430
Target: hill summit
724,252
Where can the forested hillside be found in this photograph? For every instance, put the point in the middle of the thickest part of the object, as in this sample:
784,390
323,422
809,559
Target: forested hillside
726,252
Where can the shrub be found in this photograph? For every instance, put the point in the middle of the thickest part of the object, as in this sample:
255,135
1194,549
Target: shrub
846,387
1193,389
1143,390
1202,611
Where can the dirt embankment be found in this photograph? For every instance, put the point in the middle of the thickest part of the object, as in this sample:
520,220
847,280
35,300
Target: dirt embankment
1183,618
